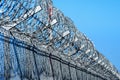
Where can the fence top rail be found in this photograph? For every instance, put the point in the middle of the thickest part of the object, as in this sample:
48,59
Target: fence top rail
39,23
22,42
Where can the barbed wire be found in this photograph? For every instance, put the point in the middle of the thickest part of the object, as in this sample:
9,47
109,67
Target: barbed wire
34,17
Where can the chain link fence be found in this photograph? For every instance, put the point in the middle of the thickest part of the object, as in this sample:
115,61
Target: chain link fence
22,60
45,28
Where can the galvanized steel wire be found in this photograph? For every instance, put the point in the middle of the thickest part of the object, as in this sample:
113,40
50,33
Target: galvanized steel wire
26,21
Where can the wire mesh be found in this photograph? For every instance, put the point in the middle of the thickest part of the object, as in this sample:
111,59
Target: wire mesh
42,25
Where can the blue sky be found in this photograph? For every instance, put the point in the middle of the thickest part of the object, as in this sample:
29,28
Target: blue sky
99,20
